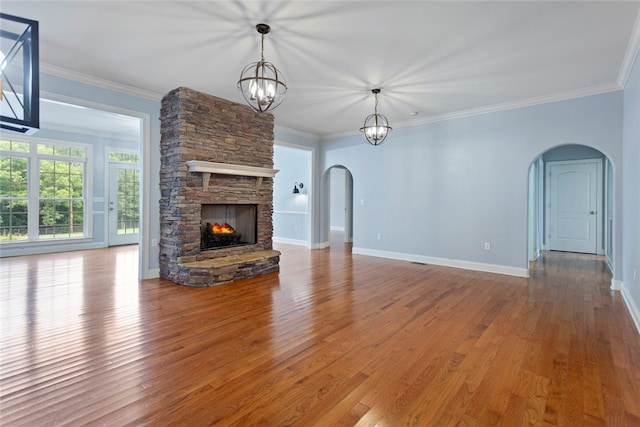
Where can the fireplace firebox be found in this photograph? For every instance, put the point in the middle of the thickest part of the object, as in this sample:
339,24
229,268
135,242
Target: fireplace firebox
225,225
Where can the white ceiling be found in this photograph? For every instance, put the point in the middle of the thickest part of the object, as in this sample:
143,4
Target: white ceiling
435,58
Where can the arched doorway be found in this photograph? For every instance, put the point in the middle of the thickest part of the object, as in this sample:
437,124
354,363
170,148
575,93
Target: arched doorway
574,214
337,204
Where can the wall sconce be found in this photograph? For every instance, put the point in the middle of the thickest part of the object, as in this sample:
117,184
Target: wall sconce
297,187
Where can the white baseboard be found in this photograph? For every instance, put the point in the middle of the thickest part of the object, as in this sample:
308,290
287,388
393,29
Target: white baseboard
320,245
152,273
50,248
610,264
290,241
467,265
616,285
634,311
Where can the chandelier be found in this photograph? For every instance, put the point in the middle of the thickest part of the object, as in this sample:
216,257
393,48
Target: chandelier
376,126
261,84
19,75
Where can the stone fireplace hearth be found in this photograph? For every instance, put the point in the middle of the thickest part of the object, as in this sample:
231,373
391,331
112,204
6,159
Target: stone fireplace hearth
215,153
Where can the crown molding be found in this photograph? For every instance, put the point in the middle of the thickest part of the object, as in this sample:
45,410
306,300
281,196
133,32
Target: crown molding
562,96
630,55
140,93
529,102
632,52
101,83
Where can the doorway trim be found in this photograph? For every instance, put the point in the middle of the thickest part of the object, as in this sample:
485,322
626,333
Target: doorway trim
144,272
599,243
325,212
310,187
608,206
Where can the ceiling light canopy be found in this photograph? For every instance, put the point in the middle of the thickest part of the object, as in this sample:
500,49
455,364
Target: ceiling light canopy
376,126
261,84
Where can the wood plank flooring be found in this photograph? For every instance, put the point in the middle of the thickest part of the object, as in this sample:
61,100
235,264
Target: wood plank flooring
331,340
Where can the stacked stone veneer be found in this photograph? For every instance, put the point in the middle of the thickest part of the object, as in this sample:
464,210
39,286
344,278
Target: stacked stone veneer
197,126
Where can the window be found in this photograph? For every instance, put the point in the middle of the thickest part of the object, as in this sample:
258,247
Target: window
43,191
14,194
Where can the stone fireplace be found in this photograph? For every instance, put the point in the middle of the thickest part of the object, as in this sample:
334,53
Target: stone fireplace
216,183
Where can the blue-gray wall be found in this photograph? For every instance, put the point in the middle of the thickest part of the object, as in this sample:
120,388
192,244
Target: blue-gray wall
438,191
571,152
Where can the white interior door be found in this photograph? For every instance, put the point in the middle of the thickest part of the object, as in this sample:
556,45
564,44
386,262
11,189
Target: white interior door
573,195
124,204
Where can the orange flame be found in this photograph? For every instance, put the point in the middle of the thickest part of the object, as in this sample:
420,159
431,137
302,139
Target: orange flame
222,229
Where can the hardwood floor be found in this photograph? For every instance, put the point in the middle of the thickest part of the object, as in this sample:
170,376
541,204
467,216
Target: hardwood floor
331,340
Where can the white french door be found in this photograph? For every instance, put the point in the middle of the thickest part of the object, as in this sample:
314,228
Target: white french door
124,204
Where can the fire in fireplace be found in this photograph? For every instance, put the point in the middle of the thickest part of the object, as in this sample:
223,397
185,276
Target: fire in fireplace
228,225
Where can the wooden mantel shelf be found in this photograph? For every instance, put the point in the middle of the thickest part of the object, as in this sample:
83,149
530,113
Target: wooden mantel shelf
207,168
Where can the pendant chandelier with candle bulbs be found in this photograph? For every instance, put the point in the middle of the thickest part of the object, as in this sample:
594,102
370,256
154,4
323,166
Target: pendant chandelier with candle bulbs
376,126
261,83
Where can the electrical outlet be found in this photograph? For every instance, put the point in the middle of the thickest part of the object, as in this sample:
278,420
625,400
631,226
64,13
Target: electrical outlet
487,246
154,242
295,228
379,236
361,202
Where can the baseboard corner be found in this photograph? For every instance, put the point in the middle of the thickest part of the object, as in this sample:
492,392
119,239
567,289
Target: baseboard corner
616,285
